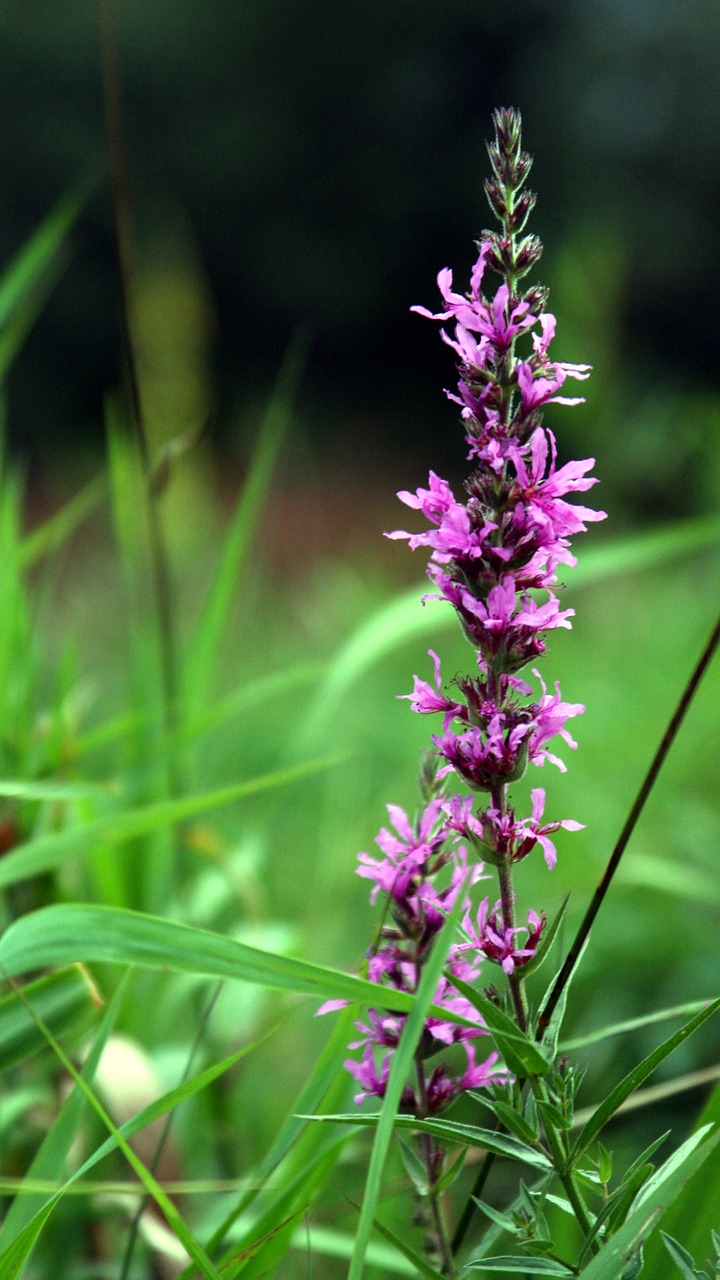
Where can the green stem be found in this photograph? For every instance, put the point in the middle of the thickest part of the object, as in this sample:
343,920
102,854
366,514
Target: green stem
563,1168
517,989
429,1150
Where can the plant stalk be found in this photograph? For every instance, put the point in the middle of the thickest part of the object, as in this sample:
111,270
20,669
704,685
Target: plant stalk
440,1230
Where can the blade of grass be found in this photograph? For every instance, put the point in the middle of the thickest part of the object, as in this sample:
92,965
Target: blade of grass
15,789
634,1024
59,527
653,1201
634,1078
29,276
401,1062
205,643
69,932
694,1217
50,1158
323,1082
49,851
62,999
150,639
163,1201
273,1230
418,1263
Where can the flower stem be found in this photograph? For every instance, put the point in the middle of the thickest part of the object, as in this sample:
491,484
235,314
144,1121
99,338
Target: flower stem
517,989
430,1157
507,899
562,1168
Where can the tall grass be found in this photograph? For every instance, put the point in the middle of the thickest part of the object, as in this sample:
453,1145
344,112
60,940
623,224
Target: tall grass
178,868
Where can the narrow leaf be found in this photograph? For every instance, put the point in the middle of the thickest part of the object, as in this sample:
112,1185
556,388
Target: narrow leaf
25,282
634,1024
451,1131
682,1259
60,999
50,1158
402,1059
59,527
528,1266
635,1078
421,1264
69,932
47,852
668,1183
522,1056
205,643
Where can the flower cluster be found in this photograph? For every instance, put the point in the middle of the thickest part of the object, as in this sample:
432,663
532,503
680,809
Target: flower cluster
494,556
414,855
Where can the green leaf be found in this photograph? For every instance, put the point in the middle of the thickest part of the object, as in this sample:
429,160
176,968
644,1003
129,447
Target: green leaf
415,1167
451,1131
27,279
552,1115
682,1259
400,1066
50,1158
204,645
653,1202
515,1122
47,852
153,1188
70,932
522,1056
422,1264
385,1258
59,527
44,791
634,1024
298,1146
528,1266
61,1000
631,1082
617,1206
694,1217
501,1220
118,1138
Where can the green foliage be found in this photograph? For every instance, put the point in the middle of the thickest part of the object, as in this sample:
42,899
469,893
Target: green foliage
184,827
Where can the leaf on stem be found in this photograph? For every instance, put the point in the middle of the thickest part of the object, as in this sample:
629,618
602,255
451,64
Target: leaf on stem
527,1266
630,1083
654,1200
450,1131
522,1056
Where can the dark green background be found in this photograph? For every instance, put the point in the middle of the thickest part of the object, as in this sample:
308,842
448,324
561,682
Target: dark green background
323,161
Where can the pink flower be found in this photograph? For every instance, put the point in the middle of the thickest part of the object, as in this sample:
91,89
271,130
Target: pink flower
427,700
494,939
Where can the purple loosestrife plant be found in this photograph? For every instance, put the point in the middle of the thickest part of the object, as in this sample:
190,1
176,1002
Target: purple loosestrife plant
494,556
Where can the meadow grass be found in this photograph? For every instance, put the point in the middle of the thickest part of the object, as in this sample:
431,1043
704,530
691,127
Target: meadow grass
194,742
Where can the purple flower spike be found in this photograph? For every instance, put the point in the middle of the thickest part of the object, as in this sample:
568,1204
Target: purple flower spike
494,551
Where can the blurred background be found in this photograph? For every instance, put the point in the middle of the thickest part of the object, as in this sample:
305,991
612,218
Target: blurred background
318,162
297,163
